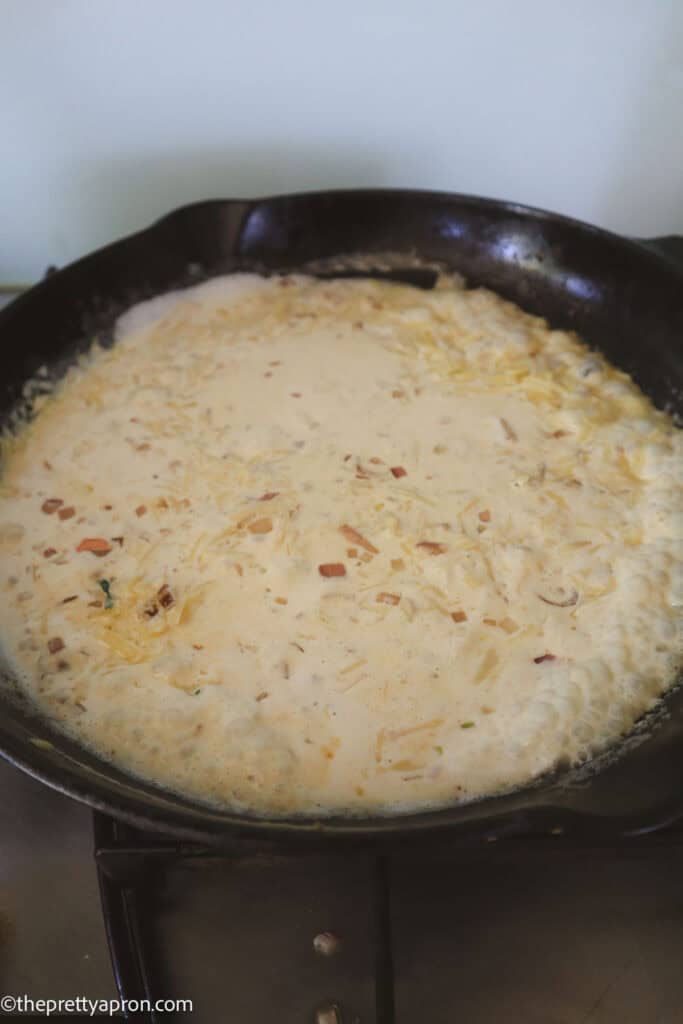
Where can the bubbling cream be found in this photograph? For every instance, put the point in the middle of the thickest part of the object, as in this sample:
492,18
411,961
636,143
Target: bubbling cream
296,546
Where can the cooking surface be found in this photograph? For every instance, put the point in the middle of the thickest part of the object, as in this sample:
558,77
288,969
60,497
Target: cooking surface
52,941
538,931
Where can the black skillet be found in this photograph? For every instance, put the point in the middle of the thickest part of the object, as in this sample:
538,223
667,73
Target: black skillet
624,297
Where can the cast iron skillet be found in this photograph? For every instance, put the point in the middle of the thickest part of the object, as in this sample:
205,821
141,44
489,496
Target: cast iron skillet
624,297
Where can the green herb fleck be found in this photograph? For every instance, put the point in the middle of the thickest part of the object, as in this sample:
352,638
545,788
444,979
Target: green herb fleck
439,750
106,587
467,725
195,693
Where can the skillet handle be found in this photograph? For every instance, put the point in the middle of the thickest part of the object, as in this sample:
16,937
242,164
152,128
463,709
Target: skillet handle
668,246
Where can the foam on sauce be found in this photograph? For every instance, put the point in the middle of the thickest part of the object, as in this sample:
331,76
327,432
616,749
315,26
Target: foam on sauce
304,547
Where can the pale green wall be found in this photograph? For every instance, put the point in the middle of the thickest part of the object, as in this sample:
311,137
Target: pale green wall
112,113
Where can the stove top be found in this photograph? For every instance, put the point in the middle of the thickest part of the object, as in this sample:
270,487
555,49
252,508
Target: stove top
52,937
520,931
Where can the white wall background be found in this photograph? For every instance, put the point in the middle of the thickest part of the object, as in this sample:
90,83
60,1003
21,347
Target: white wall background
112,112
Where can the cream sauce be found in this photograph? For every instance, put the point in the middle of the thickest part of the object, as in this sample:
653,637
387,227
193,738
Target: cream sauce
363,548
